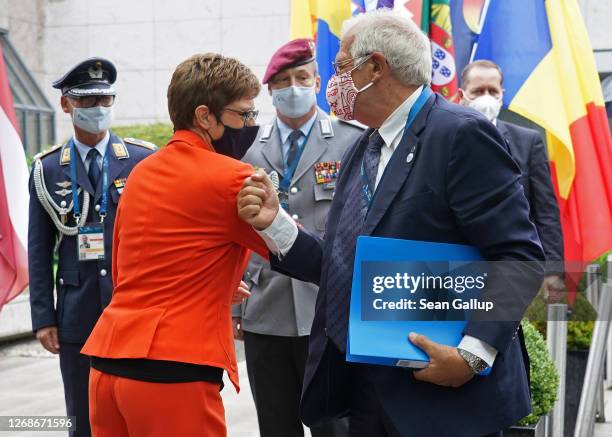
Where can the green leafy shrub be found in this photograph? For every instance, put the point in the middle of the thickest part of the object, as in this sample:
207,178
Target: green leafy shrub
580,321
603,268
581,316
158,133
544,376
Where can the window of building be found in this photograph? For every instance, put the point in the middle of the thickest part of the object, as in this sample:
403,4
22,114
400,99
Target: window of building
34,113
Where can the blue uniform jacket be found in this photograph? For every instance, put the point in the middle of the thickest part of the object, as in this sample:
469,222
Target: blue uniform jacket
83,288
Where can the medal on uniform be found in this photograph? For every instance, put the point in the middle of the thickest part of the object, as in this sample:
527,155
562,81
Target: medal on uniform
90,242
326,173
120,184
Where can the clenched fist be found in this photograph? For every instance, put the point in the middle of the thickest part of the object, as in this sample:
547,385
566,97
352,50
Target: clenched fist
257,201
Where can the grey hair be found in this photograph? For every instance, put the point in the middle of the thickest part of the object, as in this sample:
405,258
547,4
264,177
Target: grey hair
397,38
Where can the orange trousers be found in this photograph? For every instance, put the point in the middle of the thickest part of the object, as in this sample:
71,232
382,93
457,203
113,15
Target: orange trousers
121,407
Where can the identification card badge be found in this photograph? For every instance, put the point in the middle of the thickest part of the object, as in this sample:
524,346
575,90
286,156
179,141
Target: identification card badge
90,241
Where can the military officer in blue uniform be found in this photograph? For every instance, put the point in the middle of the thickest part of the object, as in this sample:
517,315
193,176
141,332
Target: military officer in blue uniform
74,191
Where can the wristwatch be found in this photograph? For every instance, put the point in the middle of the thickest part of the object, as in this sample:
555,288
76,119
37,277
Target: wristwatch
477,364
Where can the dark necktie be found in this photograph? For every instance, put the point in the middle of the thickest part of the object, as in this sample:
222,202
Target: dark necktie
371,158
350,225
294,147
94,170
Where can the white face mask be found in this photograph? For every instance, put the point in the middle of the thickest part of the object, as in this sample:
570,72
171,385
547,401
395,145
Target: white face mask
294,101
487,105
93,120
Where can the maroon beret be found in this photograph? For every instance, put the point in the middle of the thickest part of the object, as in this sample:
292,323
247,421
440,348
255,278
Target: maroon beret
293,54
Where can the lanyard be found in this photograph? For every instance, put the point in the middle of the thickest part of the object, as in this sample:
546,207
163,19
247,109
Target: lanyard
73,180
367,187
290,170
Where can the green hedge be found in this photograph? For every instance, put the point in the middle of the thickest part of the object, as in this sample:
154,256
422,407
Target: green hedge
581,317
544,375
158,133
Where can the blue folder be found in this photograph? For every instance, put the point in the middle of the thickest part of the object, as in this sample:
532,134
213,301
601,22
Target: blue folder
385,342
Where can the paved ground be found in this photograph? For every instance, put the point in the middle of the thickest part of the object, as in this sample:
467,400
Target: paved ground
30,384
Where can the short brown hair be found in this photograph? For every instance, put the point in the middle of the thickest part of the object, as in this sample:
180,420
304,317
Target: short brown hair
483,63
207,79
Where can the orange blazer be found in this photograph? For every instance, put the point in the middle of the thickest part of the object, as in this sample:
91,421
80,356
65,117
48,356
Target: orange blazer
179,252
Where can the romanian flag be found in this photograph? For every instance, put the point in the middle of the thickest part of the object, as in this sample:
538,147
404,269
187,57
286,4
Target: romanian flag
544,51
14,198
330,16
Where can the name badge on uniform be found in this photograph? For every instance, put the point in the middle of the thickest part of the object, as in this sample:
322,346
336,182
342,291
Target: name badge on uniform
90,242
326,173
120,184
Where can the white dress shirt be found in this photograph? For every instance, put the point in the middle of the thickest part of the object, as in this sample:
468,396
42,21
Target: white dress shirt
84,149
282,233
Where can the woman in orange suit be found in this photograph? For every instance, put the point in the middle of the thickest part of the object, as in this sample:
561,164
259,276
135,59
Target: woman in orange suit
159,349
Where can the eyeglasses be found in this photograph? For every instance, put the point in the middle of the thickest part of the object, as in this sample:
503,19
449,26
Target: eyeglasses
246,116
337,66
91,101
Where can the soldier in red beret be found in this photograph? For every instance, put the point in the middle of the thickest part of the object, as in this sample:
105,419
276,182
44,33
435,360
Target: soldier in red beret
302,144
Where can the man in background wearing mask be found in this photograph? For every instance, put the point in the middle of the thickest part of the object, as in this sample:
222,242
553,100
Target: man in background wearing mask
304,147
482,90
95,163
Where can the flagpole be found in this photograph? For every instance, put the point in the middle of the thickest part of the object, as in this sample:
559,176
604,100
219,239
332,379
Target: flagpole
483,15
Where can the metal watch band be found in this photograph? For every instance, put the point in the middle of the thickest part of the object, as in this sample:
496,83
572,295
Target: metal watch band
477,364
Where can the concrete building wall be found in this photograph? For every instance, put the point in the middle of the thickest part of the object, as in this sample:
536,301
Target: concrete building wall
25,21
597,16
145,39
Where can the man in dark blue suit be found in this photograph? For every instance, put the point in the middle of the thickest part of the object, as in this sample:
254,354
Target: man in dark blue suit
95,163
426,170
482,89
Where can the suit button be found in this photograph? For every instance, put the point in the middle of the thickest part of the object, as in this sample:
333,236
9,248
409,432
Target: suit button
61,281
295,217
294,190
97,208
63,204
103,272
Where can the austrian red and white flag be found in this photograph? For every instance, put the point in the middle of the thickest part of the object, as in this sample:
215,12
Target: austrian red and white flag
14,198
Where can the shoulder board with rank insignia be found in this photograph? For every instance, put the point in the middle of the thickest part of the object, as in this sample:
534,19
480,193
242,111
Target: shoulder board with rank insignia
326,128
65,157
120,150
266,133
141,143
47,152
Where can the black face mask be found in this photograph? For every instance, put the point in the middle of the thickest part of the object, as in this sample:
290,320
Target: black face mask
235,142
